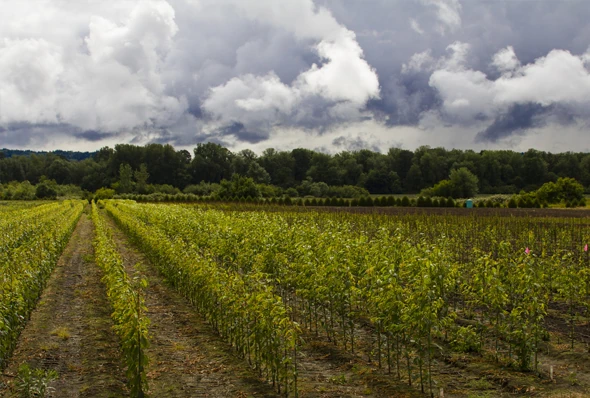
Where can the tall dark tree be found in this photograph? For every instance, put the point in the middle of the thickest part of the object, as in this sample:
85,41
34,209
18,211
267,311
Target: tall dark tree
60,170
125,179
324,169
464,183
383,181
126,153
535,169
141,177
413,182
302,158
211,163
104,154
348,169
400,161
243,160
280,166
165,165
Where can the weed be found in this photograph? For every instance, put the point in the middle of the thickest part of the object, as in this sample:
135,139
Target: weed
340,379
178,346
480,395
49,347
572,378
61,332
34,382
480,384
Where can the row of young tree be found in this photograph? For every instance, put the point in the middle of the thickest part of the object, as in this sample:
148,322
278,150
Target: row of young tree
34,239
242,309
397,171
404,291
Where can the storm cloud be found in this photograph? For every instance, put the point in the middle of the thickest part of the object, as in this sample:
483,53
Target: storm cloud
333,74
517,120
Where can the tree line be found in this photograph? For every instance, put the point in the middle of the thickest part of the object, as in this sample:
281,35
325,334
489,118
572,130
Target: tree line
156,167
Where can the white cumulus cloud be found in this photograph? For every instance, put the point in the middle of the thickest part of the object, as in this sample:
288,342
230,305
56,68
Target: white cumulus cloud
344,75
505,60
557,78
109,81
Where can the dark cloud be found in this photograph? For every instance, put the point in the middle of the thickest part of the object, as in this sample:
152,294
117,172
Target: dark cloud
404,98
240,131
163,137
195,110
353,144
186,140
93,135
22,134
516,120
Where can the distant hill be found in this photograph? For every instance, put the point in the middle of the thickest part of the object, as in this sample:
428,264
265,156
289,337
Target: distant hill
68,155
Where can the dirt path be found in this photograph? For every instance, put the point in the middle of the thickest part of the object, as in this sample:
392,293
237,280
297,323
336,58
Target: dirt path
70,330
188,359
326,371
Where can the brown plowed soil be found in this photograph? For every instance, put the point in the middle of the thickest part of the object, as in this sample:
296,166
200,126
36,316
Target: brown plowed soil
327,371
70,330
458,211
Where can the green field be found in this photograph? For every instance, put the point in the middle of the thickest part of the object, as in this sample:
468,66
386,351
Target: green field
305,303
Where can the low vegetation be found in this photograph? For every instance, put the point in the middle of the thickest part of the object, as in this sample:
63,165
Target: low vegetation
30,245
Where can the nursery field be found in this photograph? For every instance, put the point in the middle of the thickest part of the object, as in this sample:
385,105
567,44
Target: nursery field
169,300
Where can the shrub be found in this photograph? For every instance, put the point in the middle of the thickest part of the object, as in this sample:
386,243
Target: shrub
104,193
34,382
466,339
291,192
238,186
512,203
202,189
420,202
45,191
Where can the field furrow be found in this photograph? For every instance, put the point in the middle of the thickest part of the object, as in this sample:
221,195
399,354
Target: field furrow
70,331
187,358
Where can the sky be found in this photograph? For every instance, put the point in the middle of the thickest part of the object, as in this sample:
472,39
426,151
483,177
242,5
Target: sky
328,75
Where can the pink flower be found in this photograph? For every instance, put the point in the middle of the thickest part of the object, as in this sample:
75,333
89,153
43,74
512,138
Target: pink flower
527,251
586,247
